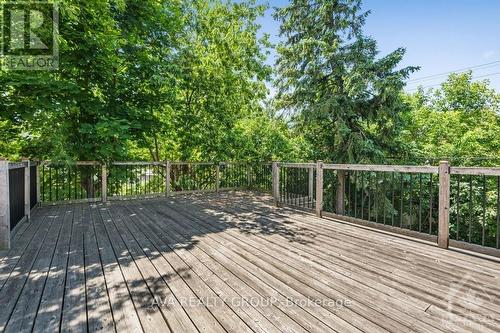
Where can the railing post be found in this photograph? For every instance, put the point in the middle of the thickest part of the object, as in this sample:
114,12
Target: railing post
340,192
444,204
249,176
27,194
319,188
4,206
38,193
310,191
217,177
104,184
168,168
276,183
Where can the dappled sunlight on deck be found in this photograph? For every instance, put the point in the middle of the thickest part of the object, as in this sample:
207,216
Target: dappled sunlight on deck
233,262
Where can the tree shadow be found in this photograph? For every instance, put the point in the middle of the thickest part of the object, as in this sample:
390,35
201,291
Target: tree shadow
135,263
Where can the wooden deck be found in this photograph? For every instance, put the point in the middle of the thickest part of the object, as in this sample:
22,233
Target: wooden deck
232,262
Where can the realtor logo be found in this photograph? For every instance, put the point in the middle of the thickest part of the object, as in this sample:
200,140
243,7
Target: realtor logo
29,35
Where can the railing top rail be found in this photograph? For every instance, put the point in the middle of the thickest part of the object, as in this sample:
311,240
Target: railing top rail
17,165
233,162
474,171
193,163
137,163
56,163
297,165
383,168
486,171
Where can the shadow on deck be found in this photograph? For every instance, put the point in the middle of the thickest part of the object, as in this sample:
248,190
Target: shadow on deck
233,262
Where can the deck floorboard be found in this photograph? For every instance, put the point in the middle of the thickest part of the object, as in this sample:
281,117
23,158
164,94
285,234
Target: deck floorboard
232,262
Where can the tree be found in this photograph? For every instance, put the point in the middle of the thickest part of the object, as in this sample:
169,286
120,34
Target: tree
222,78
156,80
345,99
458,121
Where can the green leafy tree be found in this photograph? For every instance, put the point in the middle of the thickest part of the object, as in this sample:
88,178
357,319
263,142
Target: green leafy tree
342,96
459,121
222,77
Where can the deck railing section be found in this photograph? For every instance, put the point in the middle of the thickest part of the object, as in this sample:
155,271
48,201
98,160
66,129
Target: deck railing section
193,177
400,197
70,181
475,206
297,184
19,194
260,177
446,204
92,181
135,179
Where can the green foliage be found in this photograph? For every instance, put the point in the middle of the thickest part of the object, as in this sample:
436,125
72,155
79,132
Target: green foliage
343,96
185,80
152,80
221,79
267,138
459,121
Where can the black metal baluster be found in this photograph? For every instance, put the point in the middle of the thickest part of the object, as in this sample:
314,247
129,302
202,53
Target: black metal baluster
401,202
376,197
411,201
57,183
369,196
470,209
430,203
384,191
69,182
498,212
484,211
81,187
348,183
393,199
420,202
355,194
137,180
458,207
43,183
92,185
362,195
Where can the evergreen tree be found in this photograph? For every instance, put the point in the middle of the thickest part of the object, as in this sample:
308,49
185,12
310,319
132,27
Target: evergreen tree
342,96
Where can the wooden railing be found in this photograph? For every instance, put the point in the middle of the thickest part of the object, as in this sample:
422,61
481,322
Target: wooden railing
448,205
94,181
429,202
19,194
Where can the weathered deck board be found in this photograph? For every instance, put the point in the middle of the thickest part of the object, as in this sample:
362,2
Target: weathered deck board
233,263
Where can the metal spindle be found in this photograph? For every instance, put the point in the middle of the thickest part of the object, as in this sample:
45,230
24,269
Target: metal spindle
369,196
384,191
411,201
484,211
430,204
393,199
420,202
401,196
498,212
470,209
458,207
362,195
